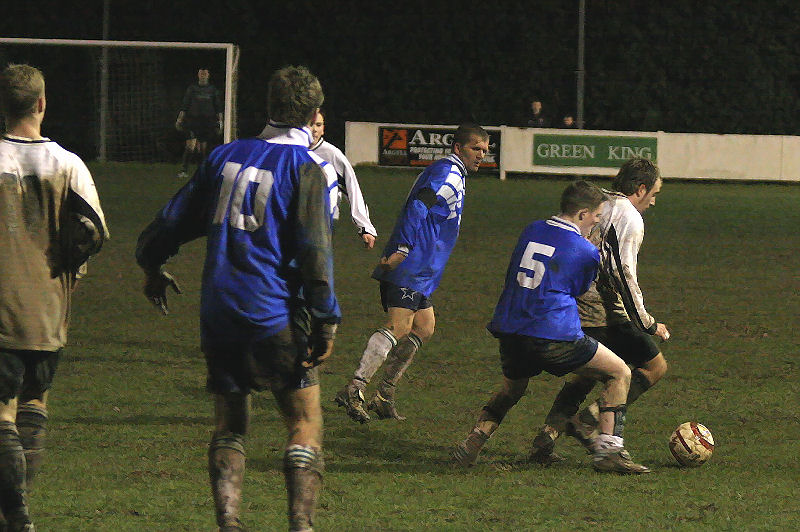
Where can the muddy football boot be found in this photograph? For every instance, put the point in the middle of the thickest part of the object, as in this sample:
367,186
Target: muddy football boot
384,408
542,450
466,453
352,399
618,462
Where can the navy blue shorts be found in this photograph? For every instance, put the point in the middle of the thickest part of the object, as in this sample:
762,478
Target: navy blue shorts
630,344
525,356
399,297
26,374
271,363
202,128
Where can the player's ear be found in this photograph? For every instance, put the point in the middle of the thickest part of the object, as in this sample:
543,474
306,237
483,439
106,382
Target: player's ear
582,214
41,104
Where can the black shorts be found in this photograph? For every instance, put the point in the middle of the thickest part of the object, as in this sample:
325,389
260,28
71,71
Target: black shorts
202,128
525,356
271,363
26,374
399,297
630,344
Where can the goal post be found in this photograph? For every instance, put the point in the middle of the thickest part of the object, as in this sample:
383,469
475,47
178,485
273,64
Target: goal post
146,99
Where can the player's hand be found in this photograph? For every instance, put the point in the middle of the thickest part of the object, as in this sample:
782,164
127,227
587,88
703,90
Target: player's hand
662,332
155,288
321,346
179,124
392,261
369,240
319,354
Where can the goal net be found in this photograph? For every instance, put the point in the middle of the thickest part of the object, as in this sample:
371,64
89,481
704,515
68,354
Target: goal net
118,100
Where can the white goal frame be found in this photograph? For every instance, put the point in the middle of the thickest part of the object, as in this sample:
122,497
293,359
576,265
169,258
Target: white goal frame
231,68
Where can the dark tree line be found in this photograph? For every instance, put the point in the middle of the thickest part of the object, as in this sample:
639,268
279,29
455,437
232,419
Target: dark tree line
716,66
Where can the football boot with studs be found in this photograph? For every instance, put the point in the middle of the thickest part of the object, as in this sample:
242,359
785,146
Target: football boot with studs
618,462
352,399
466,453
542,450
384,408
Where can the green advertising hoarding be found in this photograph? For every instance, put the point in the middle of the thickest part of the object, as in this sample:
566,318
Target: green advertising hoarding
591,150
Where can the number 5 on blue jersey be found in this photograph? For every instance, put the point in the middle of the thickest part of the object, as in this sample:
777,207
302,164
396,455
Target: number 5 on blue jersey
528,262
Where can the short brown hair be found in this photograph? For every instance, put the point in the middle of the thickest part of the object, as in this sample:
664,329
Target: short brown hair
581,195
20,88
634,173
465,132
294,93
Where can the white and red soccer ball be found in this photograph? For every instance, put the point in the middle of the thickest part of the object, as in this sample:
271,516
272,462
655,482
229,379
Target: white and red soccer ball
691,444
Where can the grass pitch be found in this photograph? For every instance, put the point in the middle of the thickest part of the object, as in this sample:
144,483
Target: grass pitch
130,420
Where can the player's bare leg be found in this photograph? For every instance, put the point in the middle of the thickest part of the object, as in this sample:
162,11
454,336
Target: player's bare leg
609,450
32,427
13,499
351,397
583,426
303,463
466,453
226,458
398,360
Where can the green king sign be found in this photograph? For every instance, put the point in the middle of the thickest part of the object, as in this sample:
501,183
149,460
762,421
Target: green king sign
591,150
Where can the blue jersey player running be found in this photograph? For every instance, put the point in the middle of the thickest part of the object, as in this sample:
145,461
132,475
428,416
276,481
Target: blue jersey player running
263,207
537,323
410,270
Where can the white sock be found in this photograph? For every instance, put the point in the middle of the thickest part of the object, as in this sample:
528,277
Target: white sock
378,346
606,444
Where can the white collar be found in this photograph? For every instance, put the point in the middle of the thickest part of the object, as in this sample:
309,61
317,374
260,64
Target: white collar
278,133
563,224
317,144
609,192
17,138
458,162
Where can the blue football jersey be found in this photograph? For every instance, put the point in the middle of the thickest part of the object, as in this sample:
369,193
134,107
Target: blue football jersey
551,265
427,228
278,133
264,208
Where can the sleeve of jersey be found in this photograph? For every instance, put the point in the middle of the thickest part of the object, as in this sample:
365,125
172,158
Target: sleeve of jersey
184,218
417,210
358,207
630,237
88,230
315,248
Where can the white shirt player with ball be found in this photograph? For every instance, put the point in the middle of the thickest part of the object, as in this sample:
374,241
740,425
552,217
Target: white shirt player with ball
595,310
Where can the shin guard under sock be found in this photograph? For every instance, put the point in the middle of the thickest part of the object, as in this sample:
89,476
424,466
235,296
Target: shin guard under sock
226,465
302,469
32,427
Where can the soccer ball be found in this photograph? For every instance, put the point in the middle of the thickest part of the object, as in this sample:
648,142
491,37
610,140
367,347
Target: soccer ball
691,444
